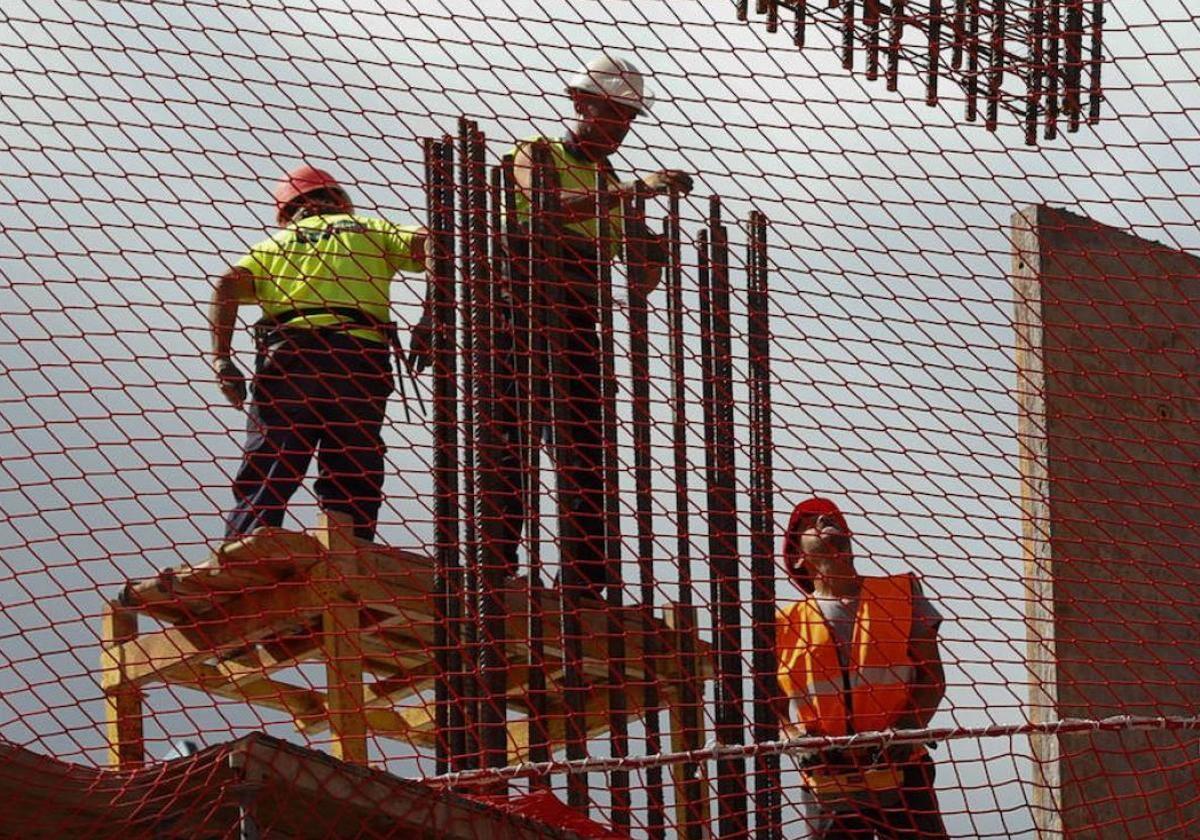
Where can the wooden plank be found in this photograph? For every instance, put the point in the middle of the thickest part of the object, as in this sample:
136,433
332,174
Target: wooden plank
340,639
246,620
122,698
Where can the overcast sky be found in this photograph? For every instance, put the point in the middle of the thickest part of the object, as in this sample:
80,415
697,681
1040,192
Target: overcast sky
138,146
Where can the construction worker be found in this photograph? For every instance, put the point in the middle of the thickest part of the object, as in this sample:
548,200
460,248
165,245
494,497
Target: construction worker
608,94
858,654
323,371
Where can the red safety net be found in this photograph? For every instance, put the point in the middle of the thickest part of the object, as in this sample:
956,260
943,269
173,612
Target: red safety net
535,581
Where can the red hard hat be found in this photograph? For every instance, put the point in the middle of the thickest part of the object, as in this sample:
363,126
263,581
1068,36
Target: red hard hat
301,180
816,506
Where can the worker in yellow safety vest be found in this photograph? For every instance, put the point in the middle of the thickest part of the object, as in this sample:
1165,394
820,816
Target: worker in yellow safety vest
858,654
325,343
607,94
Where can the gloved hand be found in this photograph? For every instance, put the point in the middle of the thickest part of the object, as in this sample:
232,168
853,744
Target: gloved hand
420,345
666,180
231,381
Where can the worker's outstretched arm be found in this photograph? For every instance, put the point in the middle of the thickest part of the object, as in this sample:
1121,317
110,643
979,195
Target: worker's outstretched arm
580,205
235,285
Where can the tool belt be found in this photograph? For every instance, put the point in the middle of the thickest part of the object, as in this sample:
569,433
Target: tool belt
837,774
271,329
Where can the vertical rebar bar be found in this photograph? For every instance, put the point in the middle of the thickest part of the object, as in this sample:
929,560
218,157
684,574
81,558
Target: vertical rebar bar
723,538
1095,92
548,281
871,17
493,660
532,394
472,684
848,35
960,33
895,36
767,793
439,166
618,721
996,67
1073,70
639,363
694,826
1033,82
935,51
972,60
1053,68
798,32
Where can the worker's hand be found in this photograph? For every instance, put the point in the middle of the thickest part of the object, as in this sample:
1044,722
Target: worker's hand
231,381
667,180
420,345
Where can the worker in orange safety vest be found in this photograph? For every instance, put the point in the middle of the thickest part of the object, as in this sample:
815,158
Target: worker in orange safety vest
858,654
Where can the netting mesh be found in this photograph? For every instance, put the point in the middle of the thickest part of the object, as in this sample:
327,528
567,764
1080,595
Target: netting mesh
866,297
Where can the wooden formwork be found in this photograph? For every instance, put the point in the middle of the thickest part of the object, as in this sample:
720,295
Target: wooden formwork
278,598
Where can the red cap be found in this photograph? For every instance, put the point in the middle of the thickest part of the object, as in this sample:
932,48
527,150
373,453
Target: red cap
298,182
816,506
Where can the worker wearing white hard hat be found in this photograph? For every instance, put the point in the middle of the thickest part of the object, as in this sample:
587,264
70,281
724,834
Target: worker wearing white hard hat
607,95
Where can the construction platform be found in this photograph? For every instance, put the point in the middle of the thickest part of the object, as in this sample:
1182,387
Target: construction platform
255,787
279,598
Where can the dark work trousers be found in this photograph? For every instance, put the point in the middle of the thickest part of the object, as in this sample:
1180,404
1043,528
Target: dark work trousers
314,391
574,350
910,812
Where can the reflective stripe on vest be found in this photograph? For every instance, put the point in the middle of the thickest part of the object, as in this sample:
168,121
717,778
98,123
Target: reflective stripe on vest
880,669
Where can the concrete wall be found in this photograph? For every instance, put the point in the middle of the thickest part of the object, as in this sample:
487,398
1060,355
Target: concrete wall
1108,358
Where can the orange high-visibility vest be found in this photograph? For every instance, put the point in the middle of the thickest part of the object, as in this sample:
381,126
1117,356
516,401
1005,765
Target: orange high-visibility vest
873,691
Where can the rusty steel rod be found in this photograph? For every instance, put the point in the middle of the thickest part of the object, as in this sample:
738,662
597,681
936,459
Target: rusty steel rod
973,61
466,385
960,34
1053,69
871,17
996,66
694,824
639,359
491,482
895,36
531,393
1095,91
1073,69
799,33
548,269
848,34
439,163
1033,99
768,817
723,538
618,721
935,51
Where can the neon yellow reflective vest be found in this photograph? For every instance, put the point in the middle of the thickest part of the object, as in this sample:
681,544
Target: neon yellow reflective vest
874,690
331,260
576,174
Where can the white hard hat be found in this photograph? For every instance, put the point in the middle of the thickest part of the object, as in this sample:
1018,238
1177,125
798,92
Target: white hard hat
614,78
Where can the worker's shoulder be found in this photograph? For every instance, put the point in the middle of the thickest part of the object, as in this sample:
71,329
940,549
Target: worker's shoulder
787,611
523,145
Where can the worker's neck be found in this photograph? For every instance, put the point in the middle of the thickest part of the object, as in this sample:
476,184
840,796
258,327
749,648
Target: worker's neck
839,583
581,148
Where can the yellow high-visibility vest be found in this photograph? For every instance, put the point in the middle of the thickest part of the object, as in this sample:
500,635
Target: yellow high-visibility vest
576,174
